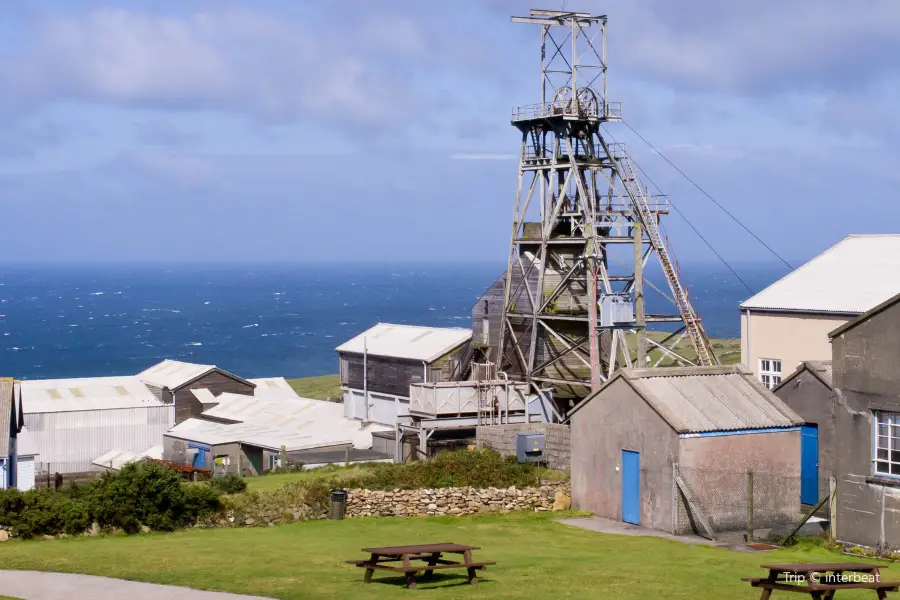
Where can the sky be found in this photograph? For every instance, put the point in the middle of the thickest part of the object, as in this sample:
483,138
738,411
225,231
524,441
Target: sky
351,130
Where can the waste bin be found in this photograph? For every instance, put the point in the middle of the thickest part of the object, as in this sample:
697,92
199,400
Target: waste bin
338,505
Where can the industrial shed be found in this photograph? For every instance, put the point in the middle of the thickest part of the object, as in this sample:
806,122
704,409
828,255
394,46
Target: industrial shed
238,448
171,382
73,421
647,434
866,410
378,365
788,322
809,392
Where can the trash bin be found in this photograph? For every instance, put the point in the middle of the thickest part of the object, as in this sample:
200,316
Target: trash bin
338,504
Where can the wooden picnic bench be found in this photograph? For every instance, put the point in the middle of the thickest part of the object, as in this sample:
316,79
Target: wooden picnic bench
822,581
429,553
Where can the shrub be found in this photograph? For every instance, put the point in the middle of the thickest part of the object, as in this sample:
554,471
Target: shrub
42,512
480,468
199,501
229,484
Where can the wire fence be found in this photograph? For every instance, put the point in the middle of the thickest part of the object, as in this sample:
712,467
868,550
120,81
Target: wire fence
739,504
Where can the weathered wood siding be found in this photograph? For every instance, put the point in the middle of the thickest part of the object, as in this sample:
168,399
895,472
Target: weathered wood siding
384,375
187,405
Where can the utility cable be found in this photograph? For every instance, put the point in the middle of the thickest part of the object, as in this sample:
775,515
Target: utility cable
705,193
688,221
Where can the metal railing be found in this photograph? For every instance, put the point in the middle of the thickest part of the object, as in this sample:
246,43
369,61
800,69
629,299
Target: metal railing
611,111
532,152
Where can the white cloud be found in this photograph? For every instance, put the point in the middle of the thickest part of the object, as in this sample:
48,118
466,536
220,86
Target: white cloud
228,60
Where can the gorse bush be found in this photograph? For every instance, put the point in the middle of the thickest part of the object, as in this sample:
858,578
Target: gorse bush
480,468
229,484
140,494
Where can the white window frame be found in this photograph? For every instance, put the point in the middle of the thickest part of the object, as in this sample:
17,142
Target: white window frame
886,444
770,371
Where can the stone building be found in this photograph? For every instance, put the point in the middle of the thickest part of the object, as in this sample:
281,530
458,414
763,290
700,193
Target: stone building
866,422
652,444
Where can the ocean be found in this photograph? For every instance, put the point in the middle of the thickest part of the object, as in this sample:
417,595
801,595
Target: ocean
261,321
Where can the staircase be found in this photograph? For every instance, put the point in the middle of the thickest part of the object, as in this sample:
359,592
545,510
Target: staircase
641,202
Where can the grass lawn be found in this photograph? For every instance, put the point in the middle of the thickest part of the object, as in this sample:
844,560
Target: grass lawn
323,387
270,482
537,558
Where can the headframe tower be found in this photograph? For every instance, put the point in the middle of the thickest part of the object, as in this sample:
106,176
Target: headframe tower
584,230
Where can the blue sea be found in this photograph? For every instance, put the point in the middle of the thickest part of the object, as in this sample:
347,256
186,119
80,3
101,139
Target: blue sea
260,321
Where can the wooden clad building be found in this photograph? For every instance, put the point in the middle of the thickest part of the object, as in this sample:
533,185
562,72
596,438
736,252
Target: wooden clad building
171,381
378,366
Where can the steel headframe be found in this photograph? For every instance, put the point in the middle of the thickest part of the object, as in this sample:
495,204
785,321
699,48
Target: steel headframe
595,230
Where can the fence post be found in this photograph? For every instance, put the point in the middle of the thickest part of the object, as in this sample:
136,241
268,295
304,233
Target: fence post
832,508
750,505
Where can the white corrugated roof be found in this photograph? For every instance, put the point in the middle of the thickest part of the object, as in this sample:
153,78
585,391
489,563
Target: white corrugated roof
324,421
407,341
273,387
270,438
702,399
173,373
117,458
90,393
851,277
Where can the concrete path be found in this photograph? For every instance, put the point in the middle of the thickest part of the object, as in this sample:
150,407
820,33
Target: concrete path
36,585
603,525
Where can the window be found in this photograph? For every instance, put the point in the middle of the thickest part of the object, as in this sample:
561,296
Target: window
770,372
887,443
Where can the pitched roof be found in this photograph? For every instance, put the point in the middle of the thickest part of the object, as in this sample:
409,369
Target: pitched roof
703,399
7,413
89,393
851,277
173,374
820,369
273,387
407,341
865,316
270,438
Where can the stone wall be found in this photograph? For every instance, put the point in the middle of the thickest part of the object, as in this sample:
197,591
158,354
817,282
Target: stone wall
502,438
452,501
262,511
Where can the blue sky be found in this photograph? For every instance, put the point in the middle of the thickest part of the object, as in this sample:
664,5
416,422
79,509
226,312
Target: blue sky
331,131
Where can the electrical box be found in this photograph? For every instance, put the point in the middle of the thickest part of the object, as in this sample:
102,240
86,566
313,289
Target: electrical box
616,310
530,447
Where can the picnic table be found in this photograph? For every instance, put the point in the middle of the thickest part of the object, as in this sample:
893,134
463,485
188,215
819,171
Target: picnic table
429,553
822,581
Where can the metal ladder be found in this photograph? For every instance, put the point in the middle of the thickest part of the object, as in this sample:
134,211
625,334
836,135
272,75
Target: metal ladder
692,323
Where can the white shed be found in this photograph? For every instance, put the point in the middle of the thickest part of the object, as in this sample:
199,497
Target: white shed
26,455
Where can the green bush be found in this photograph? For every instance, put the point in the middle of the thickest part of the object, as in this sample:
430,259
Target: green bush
229,484
480,468
140,494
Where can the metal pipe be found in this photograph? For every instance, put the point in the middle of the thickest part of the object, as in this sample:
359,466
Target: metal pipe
366,376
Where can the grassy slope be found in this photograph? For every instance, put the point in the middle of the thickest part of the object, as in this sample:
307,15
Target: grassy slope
537,558
270,482
323,387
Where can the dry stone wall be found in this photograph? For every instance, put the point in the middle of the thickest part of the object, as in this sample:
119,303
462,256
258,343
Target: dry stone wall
502,438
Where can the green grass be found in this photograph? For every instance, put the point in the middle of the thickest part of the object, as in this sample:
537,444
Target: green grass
270,482
537,558
323,387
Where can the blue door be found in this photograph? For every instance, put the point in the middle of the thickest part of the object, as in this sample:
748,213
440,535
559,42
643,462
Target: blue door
809,464
200,459
631,487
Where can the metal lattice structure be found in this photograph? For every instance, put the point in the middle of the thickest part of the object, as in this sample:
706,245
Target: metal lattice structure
593,228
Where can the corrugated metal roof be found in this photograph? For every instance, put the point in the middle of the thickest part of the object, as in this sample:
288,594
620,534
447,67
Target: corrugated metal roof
7,405
851,277
324,421
273,387
91,393
407,341
173,373
270,438
702,399
117,458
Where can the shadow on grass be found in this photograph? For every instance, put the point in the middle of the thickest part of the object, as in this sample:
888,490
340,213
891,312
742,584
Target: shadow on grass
442,580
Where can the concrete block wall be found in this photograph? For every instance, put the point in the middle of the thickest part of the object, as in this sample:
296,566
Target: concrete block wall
502,438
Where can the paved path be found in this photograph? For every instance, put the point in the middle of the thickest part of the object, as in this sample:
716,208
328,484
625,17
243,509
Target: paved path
35,585
603,525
